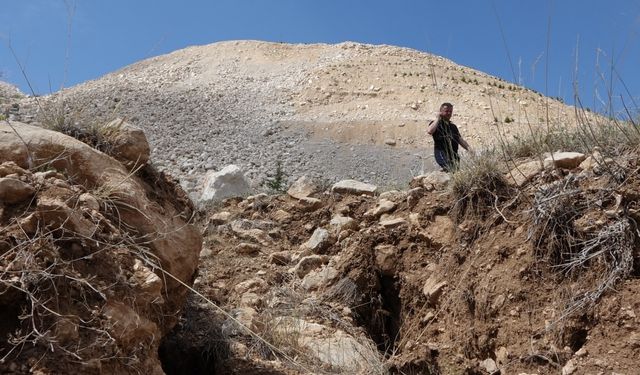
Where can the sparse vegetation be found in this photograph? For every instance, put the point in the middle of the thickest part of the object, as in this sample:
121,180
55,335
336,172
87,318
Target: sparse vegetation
596,254
594,258
278,182
478,185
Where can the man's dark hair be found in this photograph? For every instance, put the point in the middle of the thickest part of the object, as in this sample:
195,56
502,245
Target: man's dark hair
446,104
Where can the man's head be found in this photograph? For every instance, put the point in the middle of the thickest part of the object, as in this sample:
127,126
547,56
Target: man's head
446,110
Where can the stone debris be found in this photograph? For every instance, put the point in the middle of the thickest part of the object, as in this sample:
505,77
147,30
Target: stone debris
523,173
302,188
319,240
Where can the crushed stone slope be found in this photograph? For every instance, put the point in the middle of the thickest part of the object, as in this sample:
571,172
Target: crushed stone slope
339,111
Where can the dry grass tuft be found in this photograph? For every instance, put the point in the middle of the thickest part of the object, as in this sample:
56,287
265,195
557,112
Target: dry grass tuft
597,252
478,186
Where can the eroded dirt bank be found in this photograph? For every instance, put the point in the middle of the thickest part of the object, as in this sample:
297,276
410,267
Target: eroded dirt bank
540,278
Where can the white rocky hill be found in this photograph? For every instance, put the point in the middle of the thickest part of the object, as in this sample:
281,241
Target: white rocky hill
327,111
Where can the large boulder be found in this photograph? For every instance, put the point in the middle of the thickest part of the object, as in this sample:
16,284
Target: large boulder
104,254
127,143
226,183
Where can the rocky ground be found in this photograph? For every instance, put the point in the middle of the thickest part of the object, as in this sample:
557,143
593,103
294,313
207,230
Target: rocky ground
83,240
421,281
534,272
327,111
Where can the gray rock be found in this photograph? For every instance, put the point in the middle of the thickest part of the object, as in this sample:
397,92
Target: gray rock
385,256
569,367
308,263
339,223
354,187
433,289
384,206
89,201
392,222
523,173
320,240
309,204
432,181
245,248
319,278
489,365
229,182
302,188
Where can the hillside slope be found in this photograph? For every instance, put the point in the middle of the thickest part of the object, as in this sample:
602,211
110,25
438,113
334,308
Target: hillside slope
543,280
332,111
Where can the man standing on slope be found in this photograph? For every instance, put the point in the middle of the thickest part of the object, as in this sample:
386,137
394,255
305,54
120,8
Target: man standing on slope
446,139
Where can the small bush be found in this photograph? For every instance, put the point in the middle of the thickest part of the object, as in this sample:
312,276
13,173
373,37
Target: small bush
277,184
478,185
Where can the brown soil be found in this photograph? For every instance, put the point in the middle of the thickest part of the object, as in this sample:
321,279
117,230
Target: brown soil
505,298
86,247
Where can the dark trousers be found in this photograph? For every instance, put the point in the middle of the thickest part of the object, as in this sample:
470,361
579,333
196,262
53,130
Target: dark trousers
448,161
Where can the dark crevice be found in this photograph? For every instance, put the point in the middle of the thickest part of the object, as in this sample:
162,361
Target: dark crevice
391,314
577,338
381,317
12,304
196,345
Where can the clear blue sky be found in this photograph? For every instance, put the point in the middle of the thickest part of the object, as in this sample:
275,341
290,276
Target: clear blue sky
505,38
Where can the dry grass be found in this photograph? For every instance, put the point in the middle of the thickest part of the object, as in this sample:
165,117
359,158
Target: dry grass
49,273
286,321
54,281
597,252
478,185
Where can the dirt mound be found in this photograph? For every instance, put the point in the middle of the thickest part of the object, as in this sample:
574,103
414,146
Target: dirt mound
93,257
340,111
542,279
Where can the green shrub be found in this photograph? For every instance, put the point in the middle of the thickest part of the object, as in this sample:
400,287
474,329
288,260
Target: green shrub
278,183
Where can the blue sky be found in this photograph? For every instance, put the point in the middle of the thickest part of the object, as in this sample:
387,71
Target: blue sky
546,45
